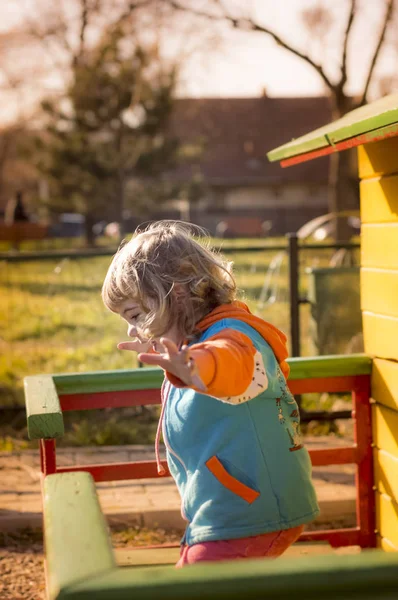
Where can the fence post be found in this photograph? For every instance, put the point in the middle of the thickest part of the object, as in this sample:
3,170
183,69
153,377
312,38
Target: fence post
294,293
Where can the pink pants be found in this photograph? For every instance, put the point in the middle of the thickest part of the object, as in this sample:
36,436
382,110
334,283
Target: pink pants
270,545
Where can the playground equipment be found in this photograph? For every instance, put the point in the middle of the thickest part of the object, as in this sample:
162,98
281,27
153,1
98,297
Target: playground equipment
374,130
80,561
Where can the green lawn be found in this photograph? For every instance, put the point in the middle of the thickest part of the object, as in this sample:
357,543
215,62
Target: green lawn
52,320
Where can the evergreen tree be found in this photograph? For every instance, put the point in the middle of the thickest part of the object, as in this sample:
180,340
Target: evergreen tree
108,131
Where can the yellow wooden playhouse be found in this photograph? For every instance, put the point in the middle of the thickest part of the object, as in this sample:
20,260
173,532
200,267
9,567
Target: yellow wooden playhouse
373,129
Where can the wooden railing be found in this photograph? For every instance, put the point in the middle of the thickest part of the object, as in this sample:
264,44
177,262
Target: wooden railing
47,397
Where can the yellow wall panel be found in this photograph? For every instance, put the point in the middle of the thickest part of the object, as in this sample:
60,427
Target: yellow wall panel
385,429
386,473
385,382
379,200
385,544
380,335
379,245
387,518
379,291
378,158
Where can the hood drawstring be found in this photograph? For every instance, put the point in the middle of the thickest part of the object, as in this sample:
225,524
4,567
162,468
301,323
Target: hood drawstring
164,397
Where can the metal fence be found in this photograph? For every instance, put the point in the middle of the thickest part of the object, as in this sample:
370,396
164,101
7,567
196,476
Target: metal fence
52,318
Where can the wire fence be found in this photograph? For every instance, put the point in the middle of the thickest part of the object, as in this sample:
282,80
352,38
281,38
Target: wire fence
52,318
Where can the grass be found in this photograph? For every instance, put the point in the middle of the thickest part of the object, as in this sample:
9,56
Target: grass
52,320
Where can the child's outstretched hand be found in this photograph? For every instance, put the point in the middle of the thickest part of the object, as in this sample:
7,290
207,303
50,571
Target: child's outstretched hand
177,362
135,345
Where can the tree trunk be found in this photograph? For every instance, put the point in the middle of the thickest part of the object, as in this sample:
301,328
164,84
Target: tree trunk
88,230
120,193
343,193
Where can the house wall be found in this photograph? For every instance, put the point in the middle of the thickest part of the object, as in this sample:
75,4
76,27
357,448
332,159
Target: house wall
274,204
378,170
287,196
244,209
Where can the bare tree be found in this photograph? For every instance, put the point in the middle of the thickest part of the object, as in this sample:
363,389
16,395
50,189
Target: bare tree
343,191
38,55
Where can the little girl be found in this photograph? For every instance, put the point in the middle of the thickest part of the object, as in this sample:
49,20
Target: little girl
229,422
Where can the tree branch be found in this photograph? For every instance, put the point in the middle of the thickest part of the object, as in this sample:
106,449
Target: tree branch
130,8
82,33
350,21
387,18
248,24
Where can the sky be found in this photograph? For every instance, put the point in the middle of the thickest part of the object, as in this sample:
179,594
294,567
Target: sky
246,64
250,62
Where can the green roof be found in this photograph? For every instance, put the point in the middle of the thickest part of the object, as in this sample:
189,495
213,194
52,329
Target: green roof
362,120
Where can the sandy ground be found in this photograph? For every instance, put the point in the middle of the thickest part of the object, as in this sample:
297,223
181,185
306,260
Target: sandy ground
21,559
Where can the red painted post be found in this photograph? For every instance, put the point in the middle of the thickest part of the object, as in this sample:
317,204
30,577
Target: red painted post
47,457
365,502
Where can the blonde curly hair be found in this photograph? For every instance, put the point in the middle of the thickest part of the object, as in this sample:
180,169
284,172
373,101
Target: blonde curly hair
173,277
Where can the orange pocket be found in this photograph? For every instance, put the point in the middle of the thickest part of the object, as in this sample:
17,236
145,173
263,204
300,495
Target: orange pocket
232,484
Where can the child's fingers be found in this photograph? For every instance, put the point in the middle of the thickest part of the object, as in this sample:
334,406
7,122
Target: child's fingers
170,346
184,353
133,346
198,383
153,359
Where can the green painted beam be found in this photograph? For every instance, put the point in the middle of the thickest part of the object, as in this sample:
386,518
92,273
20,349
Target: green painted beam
330,366
139,379
76,534
44,415
369,575
109,381
43,411
367,118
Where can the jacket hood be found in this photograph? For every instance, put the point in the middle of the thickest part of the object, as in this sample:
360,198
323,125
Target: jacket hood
240,311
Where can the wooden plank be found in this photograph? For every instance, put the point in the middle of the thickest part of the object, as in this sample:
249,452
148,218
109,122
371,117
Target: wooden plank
386,473
384,382
385,544
367,576
346,383
353,142
141,379
148,469
43,410
378,158
147,556
169,556
108,381
379,245
109,399
145,469
382,113
76,535
387,518
333,456
380,334
385,429
329,366
379,291
379,200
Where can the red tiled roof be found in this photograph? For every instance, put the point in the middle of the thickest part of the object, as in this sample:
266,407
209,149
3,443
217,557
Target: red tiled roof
237,133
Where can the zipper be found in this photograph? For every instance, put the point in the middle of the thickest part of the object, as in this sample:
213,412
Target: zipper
164,397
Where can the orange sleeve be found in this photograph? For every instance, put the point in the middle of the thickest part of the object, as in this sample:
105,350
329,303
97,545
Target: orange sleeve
225,363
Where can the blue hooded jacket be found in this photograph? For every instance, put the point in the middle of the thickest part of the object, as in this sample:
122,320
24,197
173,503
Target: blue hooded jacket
241,469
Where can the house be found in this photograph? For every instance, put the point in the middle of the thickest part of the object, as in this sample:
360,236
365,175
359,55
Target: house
236,190
241,192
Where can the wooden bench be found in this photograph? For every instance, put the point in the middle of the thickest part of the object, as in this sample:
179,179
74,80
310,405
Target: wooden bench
81,563
80,560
